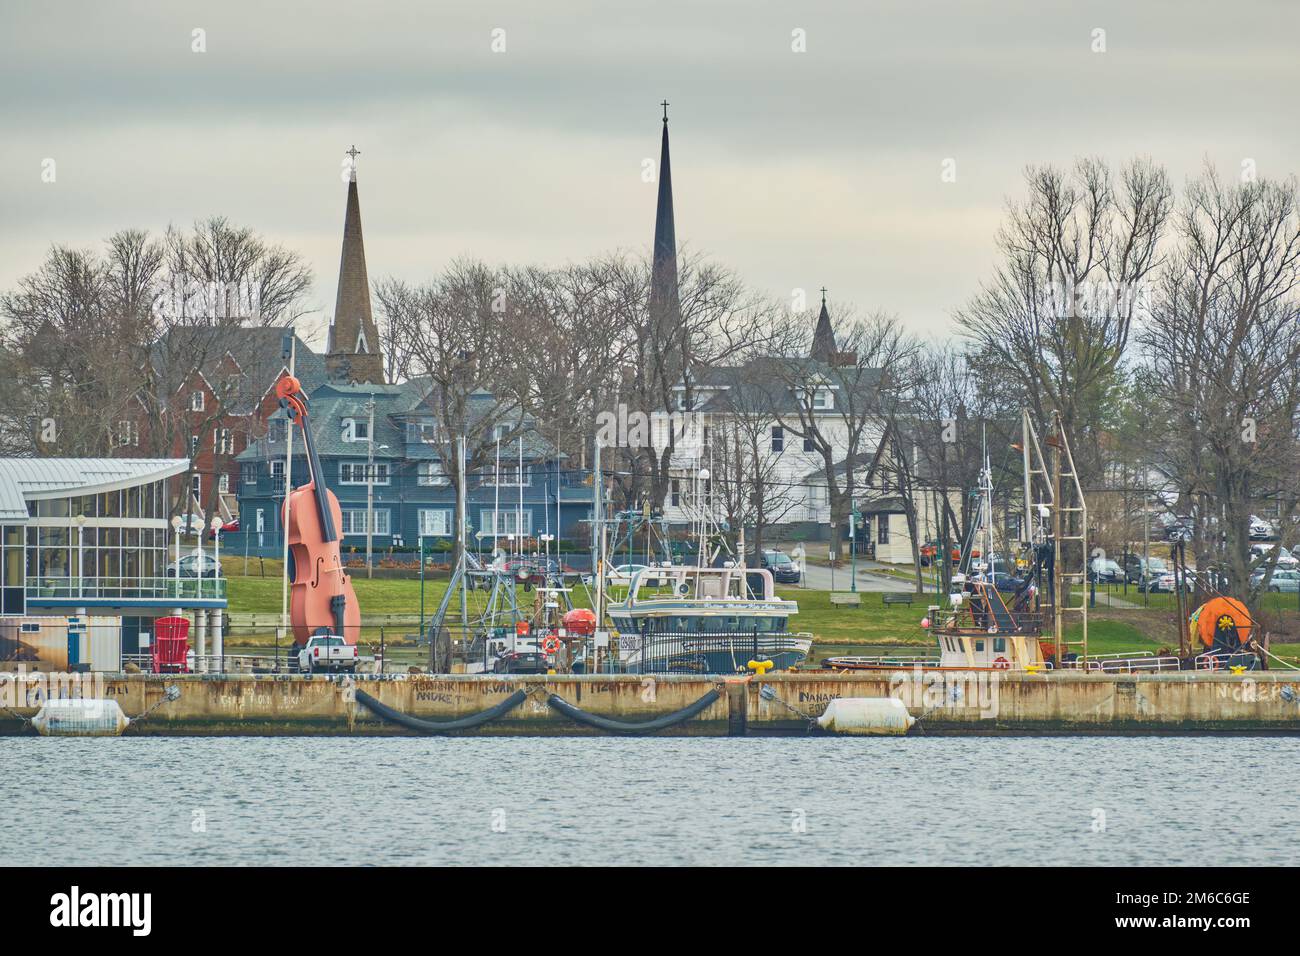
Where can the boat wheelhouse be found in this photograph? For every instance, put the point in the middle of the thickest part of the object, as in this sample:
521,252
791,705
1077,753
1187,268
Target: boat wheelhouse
704,620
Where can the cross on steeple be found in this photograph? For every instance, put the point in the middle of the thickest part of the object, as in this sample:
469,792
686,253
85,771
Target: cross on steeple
823,295
353,152
664,104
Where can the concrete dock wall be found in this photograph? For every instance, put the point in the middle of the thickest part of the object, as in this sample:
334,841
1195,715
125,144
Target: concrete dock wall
947,703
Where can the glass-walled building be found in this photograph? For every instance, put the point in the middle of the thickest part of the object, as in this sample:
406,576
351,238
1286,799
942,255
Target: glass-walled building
91,540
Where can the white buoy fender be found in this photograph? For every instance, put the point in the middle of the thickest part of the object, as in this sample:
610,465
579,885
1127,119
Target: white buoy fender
78,717
866,715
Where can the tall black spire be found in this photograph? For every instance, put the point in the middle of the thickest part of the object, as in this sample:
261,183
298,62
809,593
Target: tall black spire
663,270
823,343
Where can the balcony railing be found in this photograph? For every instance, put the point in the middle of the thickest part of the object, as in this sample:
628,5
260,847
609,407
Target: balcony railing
126,589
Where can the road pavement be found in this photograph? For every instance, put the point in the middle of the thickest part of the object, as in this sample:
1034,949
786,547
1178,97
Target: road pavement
820,578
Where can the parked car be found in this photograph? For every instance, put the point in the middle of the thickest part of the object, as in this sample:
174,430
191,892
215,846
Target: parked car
1177,527
1007,583
1260,529
328,652
196,564
230,527
1263,552
523,659
1282,580
784,569
1164,582
1105,571
1136,567
929,551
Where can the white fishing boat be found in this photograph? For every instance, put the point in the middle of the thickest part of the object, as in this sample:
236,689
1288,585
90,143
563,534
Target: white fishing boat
705,620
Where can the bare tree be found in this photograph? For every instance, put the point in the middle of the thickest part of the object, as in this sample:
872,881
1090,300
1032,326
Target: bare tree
459,342
1223,353
1057,315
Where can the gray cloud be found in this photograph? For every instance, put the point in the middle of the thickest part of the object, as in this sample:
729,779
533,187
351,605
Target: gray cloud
796,169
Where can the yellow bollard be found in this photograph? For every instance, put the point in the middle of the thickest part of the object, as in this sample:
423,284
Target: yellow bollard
760,667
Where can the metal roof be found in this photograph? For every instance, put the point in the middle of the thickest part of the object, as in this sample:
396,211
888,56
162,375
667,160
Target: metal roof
22,479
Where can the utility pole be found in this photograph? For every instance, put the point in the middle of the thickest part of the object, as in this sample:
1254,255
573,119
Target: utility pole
292,350
1145,573
462,540
854,514
370,487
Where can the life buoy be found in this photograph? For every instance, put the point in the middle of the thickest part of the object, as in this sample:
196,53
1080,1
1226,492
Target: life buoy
1001,664
551,644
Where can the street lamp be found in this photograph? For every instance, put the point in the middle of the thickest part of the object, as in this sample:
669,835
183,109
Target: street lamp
176,527
215,525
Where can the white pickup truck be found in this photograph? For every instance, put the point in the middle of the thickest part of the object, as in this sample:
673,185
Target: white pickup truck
327,652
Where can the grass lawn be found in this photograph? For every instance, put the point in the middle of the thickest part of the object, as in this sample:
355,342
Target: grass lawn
836,630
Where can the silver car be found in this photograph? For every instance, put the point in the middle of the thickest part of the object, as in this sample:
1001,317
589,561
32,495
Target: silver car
1284,579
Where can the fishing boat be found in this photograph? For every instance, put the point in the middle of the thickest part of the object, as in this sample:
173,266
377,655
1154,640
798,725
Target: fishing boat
705,620
994,621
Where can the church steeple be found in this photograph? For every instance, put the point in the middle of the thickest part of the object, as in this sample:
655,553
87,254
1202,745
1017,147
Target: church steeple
353,354
823,343
664,300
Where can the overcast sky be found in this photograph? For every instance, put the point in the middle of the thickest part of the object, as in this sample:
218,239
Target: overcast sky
797,169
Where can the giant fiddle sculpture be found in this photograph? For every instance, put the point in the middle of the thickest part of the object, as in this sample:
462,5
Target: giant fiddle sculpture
322,600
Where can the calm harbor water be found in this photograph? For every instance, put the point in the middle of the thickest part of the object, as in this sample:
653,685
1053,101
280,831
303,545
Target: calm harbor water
824,801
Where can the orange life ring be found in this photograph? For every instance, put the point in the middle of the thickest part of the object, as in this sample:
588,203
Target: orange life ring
1001,664
551,644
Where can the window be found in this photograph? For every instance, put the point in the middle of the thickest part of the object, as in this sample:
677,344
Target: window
196,486
507,522
675,497
882,529
354,521
417,432
808,444
277,477
435,522
431,473
194,445
223,442
999,645
510,476
354,473
354,429
223,483
128,433
823,400
196,401
778,439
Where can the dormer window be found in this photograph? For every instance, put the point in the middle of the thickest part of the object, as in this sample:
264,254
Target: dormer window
355,429
823,400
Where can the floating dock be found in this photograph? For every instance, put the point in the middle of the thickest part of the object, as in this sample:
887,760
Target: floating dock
944,703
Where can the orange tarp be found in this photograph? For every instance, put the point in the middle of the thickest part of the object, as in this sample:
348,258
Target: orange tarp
1220,613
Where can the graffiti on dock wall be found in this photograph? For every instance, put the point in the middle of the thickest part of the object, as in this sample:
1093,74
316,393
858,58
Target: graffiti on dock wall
961,691
23,689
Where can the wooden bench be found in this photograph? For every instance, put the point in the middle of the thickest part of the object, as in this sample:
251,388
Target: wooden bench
846,599
896,597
